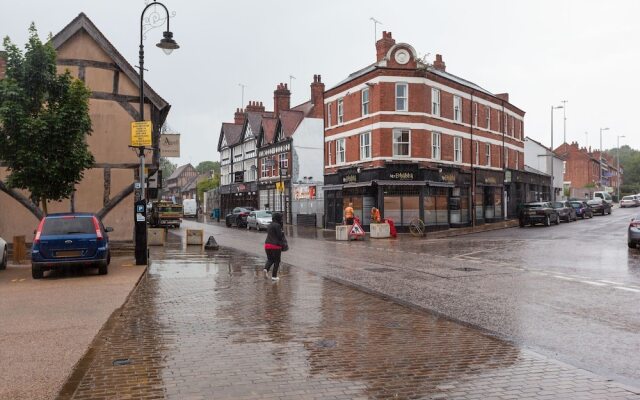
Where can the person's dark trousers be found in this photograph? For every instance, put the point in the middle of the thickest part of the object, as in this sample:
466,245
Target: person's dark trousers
273,258
349,221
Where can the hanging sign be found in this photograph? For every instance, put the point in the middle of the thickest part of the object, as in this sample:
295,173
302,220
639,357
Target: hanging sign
141,133
170,145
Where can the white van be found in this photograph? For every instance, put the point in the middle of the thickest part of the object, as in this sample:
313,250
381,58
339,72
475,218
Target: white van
189,208
604,196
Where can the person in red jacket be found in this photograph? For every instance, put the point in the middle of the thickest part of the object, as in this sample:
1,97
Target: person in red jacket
273,245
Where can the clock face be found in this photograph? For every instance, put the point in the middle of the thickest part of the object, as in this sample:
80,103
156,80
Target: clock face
402,56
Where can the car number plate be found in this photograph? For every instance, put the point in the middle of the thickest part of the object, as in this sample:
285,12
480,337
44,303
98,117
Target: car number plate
532,213
69,253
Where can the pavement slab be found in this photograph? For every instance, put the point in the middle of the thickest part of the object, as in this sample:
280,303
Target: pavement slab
210,326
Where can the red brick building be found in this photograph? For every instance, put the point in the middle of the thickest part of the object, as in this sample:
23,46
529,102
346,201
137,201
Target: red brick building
417,141
584,170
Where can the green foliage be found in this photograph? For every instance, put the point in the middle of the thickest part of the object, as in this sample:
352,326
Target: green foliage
630,164
207,185
208,166
590,185
167,168
44,121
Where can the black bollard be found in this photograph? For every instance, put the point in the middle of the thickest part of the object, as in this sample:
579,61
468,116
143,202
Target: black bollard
211,244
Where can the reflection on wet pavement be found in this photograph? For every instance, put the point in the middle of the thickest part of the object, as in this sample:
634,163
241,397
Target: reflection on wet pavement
210,326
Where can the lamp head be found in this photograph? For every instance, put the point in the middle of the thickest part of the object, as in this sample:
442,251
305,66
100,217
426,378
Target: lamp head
167,44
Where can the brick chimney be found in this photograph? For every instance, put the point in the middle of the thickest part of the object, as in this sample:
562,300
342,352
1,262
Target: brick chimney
317,97
383,45
239,117
255,106
3,64
503,96
439,64
281,98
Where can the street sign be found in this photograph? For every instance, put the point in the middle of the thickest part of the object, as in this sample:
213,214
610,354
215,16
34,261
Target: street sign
141,133
356,231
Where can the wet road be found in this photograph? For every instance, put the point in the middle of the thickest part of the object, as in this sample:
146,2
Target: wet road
210,326
570,292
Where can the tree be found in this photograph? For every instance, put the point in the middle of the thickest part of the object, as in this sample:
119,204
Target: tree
44,121
167,168
208,166
207,185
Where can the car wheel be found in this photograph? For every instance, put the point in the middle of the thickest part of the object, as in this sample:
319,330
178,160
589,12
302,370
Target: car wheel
109,258
631,245
582,216
36,272
228,223
248,227
5,259
557,220
521,224
547,222
103,269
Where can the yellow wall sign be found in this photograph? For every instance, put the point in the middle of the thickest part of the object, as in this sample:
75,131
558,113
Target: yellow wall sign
141,133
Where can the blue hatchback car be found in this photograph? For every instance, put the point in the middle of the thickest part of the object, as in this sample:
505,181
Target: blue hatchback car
70,239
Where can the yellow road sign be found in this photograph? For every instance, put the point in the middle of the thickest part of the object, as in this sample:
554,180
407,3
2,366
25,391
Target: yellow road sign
141,133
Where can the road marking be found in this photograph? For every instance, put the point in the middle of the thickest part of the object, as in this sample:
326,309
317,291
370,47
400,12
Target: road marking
21,280
594,283
611,282
564,277
627,289
14,280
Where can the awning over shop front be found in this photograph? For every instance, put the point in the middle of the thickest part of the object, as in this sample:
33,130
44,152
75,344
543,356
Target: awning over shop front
357,184
440,184
331,187
400,183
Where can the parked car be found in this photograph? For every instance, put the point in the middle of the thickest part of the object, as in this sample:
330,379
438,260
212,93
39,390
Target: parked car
541,212
4,254
604,196
70,239
633,233
637,199
238,217
259,219
566,212
582,209
599,206
629,201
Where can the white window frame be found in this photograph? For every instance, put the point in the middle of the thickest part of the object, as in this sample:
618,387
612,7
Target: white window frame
506,157
436,145
405,98
487,152
475,114
283,161
341,151
340,110
365,148
457,149
477,153
273,166
394,142
329,114
264,168
517,160
506,123
329,146
457,108
488,117
365,104
435,102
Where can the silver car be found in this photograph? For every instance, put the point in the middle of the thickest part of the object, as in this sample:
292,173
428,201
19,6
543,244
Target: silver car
259,219
4,254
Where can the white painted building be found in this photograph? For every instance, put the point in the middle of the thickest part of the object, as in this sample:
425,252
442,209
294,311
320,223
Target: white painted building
538,157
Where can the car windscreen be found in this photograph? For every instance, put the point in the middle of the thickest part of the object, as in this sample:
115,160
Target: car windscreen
576,204
66,226
627,198
558,204
594,202
263,214
535,205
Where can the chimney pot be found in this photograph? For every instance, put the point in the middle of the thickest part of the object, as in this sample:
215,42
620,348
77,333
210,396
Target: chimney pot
383,45
439,64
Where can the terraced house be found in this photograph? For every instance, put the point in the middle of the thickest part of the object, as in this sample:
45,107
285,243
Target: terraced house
416,141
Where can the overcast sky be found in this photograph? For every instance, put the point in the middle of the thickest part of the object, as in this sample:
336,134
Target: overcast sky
540,52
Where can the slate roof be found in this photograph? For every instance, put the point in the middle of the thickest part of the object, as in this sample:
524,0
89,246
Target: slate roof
179,171
254,119
232,134
289,121
268,130
191,185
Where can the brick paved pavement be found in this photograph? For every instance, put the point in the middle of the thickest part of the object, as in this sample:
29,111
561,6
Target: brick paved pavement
212,327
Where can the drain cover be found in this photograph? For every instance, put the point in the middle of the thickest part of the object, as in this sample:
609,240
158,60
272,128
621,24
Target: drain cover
121,361
392,325
326,344
380,269
467,269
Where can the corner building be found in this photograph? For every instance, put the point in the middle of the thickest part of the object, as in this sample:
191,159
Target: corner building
416,141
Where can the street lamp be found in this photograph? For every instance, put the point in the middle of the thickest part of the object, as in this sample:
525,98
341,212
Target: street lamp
618,165
167,44
553,178
601,129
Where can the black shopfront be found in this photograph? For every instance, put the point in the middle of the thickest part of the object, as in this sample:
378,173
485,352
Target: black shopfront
439,196
238,195
525,187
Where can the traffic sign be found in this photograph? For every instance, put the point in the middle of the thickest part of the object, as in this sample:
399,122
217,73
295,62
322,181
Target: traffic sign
141,133
356,231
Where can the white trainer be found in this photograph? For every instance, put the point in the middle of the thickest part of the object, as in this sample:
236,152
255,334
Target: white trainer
266,273
275,278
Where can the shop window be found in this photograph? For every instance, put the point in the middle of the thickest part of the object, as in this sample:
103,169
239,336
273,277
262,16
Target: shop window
436,206
480,203
401,204
393,208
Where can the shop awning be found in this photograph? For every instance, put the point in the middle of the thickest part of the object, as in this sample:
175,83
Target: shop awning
357,184
401,183
440,184
331,187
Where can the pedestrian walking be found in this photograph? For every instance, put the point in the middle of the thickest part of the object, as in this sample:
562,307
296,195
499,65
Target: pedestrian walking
274,245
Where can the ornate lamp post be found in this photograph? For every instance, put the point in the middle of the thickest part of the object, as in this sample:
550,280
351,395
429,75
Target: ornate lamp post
167,44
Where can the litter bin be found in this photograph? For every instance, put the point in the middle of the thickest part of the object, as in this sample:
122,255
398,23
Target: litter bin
216,214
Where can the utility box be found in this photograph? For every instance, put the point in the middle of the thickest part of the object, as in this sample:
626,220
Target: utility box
195,237
380,231
156,236
342,232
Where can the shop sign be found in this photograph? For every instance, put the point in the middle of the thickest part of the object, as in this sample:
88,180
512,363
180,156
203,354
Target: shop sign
170,145
304,192
451,178
490,180
351,178
507,176
401,176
